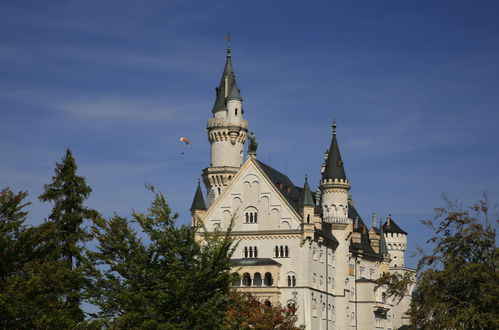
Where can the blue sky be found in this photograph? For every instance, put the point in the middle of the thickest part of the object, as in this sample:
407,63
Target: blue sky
414,87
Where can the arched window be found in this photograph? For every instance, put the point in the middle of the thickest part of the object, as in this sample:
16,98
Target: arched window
245,252
268,303
268,281
282,251
247,217
255,253
286,251
289,280
236,112
257,279
246,279
383,298
251,217
256,217
276,251
251,252
308,218
293,280
236,279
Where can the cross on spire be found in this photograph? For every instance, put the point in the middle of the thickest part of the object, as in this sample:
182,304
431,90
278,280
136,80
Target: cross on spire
334,125
228,38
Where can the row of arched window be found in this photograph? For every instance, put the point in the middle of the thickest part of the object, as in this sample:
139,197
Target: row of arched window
251,217
256,280
291,280
250,252
281,251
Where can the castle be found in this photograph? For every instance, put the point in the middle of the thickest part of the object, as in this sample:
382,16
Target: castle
295,246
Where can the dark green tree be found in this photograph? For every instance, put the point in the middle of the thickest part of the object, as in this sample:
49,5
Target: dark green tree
173,281
32,277
67,192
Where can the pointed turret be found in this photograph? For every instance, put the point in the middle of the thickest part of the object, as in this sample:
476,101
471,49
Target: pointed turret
383,249
226,87
227,132
198,207
198,201
334,164
334,187
306,198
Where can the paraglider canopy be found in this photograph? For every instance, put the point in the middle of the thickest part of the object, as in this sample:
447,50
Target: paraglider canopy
186,140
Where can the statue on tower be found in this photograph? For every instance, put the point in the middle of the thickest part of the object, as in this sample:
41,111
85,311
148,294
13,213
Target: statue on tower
253,145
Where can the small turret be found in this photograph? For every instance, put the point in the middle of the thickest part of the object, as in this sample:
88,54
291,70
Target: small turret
198,206
396,241
306,203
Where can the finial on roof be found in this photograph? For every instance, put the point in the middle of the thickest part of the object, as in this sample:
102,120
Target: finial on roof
199,180
374,219
228,38
306,177
334,125
388,218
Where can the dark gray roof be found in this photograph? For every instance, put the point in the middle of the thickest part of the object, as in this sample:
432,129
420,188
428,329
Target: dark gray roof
354,215
306,197
220,100
383,249
234,93
281,180
254,262
391,227
198,201
334,165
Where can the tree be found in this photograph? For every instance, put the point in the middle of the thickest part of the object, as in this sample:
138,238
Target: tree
458,283
32,278
68,191
172,282
247,312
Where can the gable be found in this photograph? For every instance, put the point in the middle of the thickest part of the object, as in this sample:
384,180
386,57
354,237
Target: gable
254,202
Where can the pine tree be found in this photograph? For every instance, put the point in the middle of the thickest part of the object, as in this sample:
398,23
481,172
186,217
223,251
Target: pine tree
68,191
172,282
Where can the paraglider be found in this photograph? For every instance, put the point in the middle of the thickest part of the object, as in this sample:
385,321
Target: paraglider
186,140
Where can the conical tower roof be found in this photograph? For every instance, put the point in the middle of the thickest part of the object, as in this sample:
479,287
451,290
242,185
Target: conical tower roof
391,227
198,201
226,86
334,165
234,93
306,198
383,249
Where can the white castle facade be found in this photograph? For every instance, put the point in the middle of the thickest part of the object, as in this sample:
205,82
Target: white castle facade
295,246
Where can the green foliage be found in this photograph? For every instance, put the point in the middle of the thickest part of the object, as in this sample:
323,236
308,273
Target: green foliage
247,312
458,283
173,282
32,279
68,191
397,284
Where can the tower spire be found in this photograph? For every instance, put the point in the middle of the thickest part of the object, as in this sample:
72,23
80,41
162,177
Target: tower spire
334,165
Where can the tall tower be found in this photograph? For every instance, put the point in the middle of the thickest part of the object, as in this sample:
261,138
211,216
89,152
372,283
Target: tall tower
396,241
227,132
334,188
